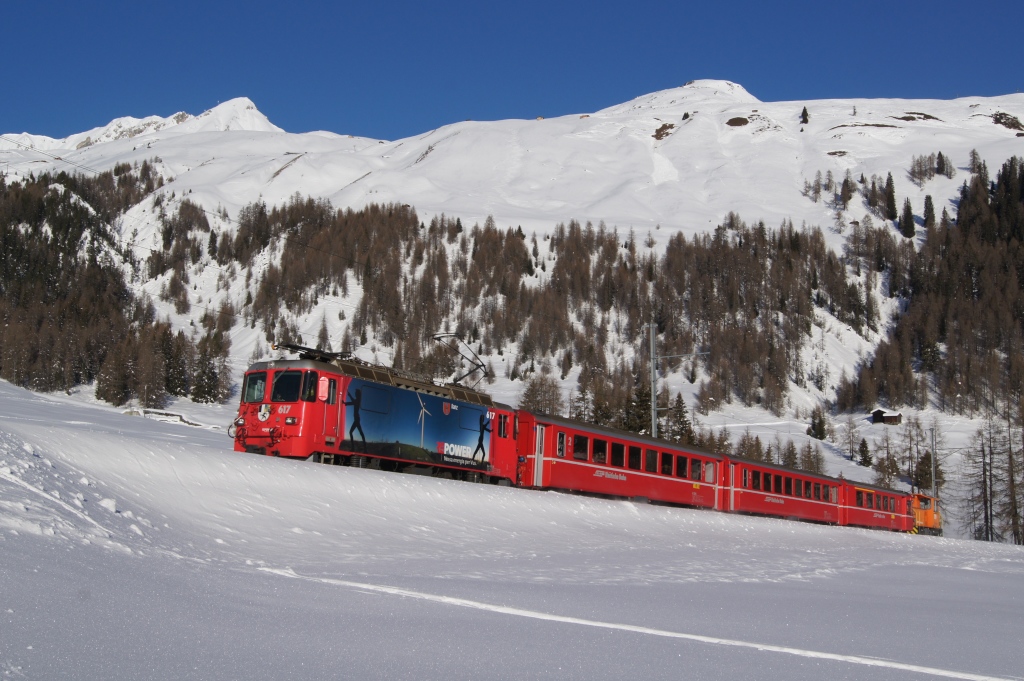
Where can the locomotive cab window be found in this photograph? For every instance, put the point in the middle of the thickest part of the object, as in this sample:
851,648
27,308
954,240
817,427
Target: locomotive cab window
309,385
580,447
618,454
502,425
634,458
600,451
256,387
286,386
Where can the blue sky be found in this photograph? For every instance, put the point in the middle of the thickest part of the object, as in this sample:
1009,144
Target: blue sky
390,69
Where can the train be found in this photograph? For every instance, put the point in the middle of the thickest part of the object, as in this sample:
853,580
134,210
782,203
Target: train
331,408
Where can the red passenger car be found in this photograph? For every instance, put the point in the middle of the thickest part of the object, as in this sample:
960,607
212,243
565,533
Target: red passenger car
563,454
764,489
876,507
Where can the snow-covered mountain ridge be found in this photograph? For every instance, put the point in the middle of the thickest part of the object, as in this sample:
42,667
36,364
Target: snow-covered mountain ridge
679,159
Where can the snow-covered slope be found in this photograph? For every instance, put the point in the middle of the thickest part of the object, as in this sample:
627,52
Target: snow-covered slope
132,548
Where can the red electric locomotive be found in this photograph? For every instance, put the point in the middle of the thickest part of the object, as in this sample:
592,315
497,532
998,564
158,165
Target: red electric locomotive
331,408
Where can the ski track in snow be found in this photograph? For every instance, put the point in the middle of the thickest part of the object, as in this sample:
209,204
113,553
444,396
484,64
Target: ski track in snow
531,614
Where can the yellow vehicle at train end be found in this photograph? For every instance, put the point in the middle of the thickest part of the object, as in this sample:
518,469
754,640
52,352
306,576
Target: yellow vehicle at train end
927,518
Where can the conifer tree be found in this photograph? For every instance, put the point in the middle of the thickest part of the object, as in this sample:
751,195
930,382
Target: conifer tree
929,212
864,452
679,427
790,458
818,426
637,416
890,198
907,227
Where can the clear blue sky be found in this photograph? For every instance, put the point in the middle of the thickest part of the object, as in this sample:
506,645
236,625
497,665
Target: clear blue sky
389,69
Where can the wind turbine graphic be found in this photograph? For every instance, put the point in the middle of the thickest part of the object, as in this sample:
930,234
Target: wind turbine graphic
422,421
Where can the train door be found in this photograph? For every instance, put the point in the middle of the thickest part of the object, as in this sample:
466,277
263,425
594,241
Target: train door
732,486
538,461
327,393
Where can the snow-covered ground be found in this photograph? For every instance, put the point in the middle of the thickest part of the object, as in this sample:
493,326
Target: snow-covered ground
136,548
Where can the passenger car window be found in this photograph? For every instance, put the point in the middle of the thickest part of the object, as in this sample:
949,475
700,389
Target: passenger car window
681,466
580,447
600,451
561,445
695,467
634,458
651,461
666,463
618,454
756,475
789,486
709,472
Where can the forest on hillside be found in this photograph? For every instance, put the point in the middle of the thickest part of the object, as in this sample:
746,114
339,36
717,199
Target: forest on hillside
69,314
750,296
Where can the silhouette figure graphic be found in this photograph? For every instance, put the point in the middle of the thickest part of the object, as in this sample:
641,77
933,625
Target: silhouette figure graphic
485,427
356,402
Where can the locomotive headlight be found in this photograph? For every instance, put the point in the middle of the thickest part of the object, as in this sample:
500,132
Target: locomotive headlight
240,421
290,421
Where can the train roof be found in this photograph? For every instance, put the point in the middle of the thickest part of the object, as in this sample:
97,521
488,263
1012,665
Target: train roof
880,490
384,375
621,434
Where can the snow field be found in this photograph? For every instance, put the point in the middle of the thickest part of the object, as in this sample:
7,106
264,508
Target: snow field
184,559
